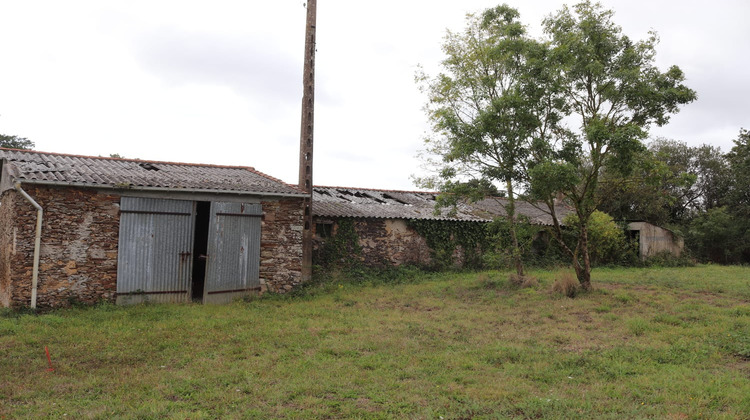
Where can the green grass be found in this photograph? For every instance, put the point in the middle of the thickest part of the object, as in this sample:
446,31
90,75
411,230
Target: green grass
645,343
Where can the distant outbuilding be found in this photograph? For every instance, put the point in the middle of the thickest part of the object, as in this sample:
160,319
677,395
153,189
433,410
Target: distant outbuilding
654,240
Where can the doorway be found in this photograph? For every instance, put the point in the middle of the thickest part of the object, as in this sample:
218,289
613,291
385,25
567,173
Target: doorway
200,249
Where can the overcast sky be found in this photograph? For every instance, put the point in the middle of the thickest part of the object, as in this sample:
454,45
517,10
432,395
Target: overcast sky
221,82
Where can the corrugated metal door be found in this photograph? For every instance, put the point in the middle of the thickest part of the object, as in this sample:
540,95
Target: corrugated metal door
154,261
233,263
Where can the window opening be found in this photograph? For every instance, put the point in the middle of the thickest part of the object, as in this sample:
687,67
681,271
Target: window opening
324,230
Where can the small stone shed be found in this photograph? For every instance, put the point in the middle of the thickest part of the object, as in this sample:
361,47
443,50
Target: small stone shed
381,220
130,231
654,240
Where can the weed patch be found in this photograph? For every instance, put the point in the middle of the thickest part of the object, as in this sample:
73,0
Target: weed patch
567,285
638,326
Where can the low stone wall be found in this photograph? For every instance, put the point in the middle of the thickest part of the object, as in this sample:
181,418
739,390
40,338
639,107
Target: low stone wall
78,258
281,245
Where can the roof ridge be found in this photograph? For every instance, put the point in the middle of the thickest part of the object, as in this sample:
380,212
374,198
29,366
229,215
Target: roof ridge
396,191
39,152
102,159
377,189
272,178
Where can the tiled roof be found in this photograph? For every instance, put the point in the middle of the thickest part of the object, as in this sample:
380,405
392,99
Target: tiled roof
60,169
388,204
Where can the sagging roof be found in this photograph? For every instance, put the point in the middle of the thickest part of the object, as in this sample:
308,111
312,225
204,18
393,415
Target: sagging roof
43,168
390,204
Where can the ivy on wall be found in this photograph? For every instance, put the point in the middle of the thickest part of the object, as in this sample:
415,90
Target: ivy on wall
444,237
342,249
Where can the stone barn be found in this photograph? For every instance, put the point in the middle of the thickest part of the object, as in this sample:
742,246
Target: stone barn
130,231
382,221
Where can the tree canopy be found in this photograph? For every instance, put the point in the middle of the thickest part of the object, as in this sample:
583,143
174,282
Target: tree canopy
549,114
15,142
671,183
482,111
615,92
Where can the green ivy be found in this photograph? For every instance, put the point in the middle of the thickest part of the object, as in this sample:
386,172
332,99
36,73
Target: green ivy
342,249
445,236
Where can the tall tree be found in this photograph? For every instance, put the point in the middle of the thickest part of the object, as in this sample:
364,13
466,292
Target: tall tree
670,184
481,112
705,165
722,234
15,142
616,92
739,162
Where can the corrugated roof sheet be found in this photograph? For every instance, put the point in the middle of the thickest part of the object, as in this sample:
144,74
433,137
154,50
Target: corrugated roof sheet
389,204
61,169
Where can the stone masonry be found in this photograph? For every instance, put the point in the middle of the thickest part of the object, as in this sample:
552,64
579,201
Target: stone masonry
80,231
78,259
281,245
7,246
387,242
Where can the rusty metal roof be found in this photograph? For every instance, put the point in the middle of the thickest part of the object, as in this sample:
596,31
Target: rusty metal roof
35,167
390,204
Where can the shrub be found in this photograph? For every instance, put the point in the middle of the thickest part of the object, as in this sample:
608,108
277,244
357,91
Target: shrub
522,282
530,282
500,253
608,243
515,280
566,284
667,259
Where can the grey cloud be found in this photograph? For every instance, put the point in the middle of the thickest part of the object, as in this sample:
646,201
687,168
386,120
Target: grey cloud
260,72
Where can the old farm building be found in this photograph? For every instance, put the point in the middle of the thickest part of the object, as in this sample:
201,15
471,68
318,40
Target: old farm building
381,220
130,230
654,240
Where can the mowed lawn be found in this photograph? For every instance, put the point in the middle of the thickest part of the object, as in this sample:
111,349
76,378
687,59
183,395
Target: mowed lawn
646,343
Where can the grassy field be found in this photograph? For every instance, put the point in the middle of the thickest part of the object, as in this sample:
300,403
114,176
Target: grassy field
646,343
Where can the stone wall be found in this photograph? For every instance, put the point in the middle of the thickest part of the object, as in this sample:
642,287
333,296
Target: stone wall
384,242
78,258
281,245
7,249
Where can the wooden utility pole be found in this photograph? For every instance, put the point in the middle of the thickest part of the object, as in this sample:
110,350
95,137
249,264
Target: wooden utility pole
306,138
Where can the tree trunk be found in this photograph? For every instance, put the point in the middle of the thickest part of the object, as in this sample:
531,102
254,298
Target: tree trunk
511,213
557,232
584,272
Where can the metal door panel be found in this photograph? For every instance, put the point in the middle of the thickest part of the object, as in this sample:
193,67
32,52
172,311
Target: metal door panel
232,269
155,250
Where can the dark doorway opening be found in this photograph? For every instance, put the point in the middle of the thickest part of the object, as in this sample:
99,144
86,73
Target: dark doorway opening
200,248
